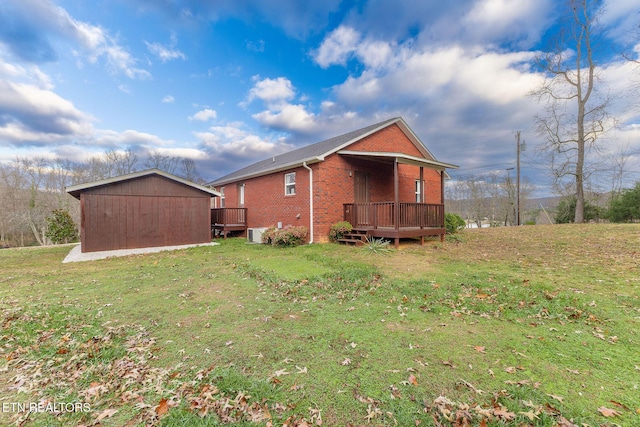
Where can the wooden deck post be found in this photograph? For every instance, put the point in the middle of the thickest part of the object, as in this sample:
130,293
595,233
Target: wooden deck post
442,203
396,201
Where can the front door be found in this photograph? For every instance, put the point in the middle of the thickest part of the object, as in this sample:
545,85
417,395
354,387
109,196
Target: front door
361,187
361,198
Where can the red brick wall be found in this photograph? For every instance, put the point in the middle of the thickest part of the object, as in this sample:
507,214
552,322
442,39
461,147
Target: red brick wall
266,202
333,186
390,140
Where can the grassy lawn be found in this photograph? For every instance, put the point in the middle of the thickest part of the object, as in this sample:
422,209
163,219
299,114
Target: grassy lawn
528,326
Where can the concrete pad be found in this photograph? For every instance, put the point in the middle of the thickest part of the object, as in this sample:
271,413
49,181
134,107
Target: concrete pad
76,255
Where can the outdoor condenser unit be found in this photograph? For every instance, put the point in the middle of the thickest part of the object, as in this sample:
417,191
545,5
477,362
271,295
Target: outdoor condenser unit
254,235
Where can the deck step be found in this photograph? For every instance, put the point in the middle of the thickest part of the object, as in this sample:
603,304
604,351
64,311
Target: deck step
356,237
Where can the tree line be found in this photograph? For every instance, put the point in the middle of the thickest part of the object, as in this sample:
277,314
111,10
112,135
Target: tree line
490,197
32,189
490,200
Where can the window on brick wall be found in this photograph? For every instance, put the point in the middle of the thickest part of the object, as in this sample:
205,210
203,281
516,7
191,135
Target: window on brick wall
222,197
418,191
240,195
290,184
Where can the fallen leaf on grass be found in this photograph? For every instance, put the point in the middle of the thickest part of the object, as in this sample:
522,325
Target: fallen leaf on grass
479,349
105,414
563,422
162,408
607,412
346,362
529,414
280,373
503,413
558,398
412,379
471,387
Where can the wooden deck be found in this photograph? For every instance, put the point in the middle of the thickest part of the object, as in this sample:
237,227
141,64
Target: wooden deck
388,220
228,220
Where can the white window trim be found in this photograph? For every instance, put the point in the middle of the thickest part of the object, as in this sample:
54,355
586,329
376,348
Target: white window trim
222,197
290,185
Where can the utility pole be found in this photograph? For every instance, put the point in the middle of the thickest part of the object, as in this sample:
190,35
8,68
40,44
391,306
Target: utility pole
518,178
520,147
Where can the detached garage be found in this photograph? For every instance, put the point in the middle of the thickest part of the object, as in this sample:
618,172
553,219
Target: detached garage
143,209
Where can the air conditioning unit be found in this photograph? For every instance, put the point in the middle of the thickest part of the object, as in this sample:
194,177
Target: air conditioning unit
254,235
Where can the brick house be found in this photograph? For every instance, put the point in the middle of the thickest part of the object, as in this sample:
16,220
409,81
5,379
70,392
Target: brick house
381,178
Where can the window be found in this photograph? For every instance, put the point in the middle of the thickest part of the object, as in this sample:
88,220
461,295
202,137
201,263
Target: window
241,195
418,191
222,197
290,184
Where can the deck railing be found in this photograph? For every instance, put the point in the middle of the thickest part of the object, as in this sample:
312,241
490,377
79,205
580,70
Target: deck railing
383,215
229,216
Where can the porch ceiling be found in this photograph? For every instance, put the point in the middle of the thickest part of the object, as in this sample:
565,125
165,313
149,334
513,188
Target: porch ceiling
399,157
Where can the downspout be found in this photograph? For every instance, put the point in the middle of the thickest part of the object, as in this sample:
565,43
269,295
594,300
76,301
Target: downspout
304,164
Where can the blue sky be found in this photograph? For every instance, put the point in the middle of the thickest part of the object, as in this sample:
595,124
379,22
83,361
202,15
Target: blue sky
230,82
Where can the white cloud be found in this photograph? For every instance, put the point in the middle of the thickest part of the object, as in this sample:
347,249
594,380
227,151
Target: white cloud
280,113
43,23
165,53
255,46
237,146
290,117
500,20
36,116
204,115
129,138
168,99
337,47
30,74
412,74
621,17
271,90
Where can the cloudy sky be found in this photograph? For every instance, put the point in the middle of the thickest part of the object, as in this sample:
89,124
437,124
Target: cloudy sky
230,82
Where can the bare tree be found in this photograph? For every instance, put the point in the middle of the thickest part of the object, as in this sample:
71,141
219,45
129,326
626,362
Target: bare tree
508,211
121,162
189,171
618,167
575,114
13,200
167,164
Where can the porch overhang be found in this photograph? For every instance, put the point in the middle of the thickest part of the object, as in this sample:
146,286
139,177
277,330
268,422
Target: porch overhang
399,158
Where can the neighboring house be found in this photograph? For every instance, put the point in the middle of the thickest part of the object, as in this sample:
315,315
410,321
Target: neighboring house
143,209
382,179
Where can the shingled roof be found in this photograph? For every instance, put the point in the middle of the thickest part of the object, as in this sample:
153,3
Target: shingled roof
317,152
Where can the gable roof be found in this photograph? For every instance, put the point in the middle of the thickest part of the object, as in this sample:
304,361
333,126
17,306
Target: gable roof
317,152
75,190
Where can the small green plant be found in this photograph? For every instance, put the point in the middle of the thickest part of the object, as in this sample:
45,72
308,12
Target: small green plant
339,229
61,228
454,238
287,236
453,223
376,246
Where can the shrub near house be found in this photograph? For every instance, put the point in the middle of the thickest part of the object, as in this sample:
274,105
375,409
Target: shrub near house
288,236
